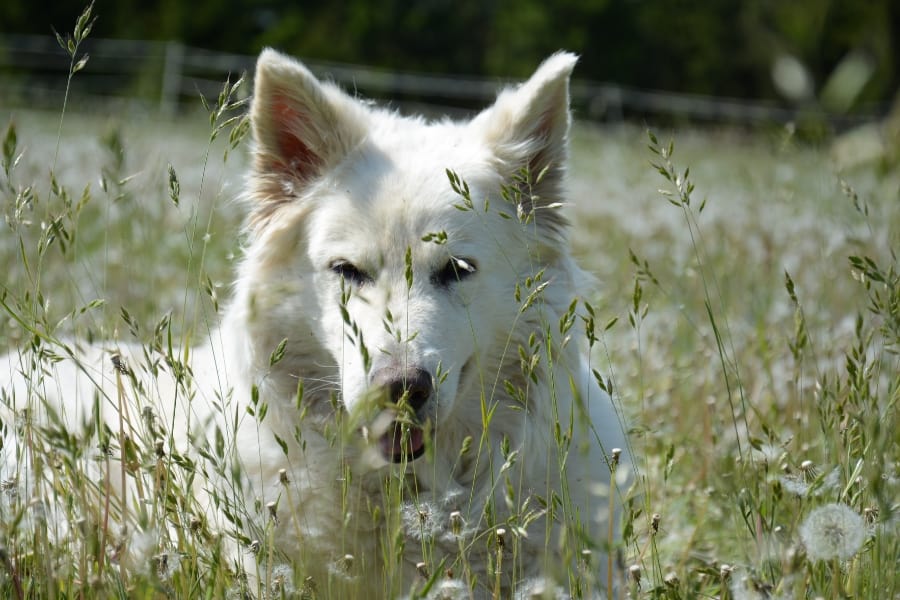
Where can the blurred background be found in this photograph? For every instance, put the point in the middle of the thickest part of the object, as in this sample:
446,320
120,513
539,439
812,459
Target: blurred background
826,64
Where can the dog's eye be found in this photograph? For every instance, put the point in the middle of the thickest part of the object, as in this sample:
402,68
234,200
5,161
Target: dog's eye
350,272
455,269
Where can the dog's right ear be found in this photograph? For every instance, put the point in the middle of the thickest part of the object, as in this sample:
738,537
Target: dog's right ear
301,126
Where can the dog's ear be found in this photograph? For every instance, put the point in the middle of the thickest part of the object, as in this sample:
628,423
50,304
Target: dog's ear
301,126
528,127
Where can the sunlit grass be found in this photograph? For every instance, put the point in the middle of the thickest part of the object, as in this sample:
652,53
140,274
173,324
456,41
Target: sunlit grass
760,365
754,348
737,440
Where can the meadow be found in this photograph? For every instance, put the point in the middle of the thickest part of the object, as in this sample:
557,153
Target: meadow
748,294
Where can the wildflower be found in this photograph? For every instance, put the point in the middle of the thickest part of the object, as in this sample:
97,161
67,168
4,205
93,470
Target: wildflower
833,530
449,589
283,580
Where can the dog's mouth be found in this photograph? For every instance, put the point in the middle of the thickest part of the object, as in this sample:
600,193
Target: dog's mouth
402,442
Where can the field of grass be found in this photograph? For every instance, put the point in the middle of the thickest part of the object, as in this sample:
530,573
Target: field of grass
753,303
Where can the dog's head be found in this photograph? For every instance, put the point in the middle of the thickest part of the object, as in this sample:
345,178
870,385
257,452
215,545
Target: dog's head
399,250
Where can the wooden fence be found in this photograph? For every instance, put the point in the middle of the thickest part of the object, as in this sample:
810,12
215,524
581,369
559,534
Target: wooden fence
167,75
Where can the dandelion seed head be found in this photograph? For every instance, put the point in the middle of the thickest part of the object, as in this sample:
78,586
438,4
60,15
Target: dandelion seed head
283,580
539,588
616,456
831,481
742,588
166,564
871,514
435,521
195,523
768,454
635,572
423,520
449,589
142,546
654,522
794,485
422,569
456,522
833,531
500,534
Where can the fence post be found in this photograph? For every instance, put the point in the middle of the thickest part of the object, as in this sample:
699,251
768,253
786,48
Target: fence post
173,66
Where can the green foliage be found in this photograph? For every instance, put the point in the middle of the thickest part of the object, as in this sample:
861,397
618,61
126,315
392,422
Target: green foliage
725,48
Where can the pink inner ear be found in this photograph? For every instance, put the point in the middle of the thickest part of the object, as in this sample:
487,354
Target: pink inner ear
544,133
294,154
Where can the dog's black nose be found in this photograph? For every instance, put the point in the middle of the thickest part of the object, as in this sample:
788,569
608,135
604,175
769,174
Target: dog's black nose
414,383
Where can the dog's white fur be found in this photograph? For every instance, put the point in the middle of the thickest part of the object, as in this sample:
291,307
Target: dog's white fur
338,287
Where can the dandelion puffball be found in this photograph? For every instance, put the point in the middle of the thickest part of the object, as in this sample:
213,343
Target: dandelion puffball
833,530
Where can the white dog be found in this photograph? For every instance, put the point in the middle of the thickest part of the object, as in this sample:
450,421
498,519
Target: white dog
400,398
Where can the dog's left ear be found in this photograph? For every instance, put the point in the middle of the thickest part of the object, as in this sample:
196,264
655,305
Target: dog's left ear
528,126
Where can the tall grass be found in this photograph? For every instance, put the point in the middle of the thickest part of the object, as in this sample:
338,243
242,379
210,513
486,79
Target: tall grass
770,452
752,325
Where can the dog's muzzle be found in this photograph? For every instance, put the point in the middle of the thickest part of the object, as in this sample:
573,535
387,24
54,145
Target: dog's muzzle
410,390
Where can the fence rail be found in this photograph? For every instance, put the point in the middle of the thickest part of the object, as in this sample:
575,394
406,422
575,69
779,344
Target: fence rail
165,75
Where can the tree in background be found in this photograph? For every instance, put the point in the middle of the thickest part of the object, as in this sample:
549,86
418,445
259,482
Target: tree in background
726,47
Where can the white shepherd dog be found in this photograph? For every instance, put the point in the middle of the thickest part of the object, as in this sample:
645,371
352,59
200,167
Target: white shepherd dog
399,400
